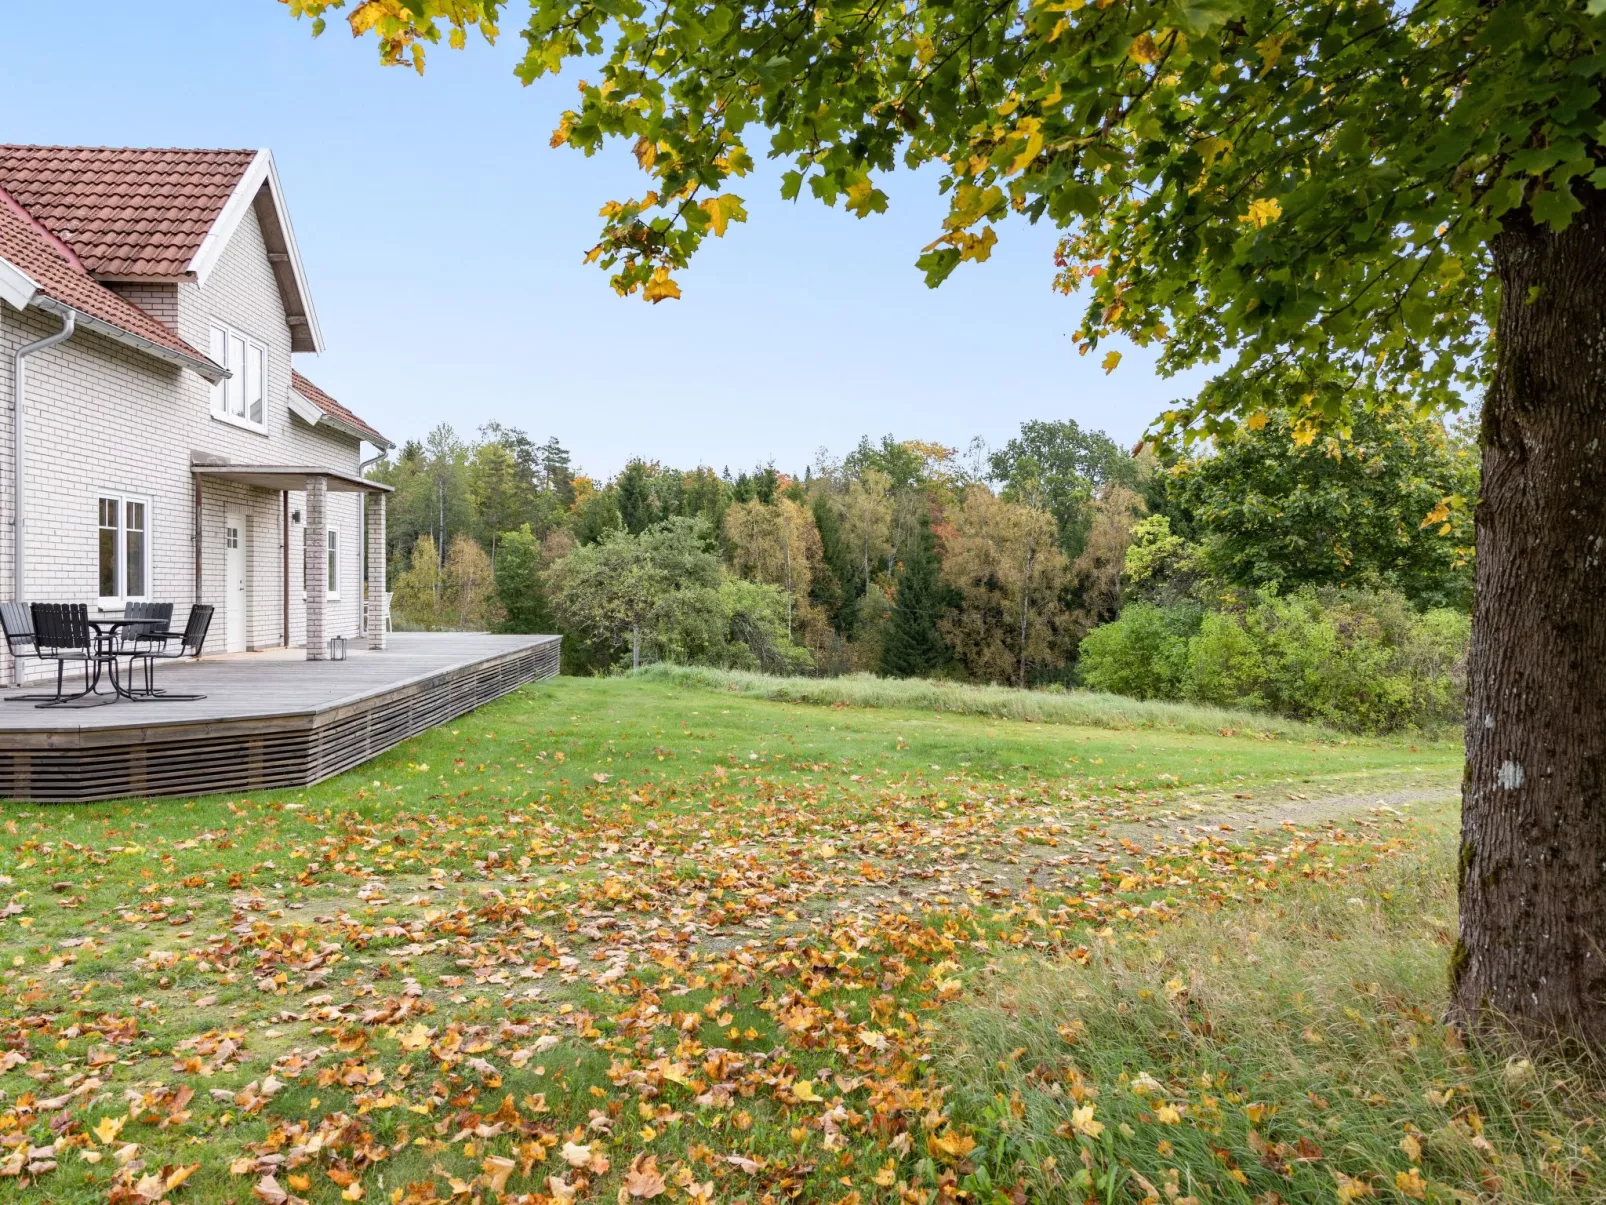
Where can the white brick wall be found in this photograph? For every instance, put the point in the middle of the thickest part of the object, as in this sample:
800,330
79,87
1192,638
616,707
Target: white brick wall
105,417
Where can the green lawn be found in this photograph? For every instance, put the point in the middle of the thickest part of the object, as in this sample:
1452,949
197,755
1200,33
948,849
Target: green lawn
665,940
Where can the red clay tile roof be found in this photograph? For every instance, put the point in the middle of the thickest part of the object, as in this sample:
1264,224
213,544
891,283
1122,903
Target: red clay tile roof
335,410
126,212
31,250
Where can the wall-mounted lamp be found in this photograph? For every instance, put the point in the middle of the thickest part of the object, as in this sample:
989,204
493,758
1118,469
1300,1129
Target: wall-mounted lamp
295,516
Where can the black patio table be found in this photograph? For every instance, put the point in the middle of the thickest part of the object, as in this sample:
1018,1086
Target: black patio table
106,654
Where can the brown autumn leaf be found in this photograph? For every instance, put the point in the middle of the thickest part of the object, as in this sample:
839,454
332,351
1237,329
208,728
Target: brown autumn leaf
643,1180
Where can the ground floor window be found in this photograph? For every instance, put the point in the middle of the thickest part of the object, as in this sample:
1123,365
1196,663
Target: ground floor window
331,584
124,548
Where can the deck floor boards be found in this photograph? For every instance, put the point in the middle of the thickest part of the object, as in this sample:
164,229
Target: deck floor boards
269,719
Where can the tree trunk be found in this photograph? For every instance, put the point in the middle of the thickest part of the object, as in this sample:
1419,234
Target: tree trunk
635,647
440,493
1532,871
1025,612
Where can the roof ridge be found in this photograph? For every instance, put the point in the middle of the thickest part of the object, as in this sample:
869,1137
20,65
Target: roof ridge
68,146
42,231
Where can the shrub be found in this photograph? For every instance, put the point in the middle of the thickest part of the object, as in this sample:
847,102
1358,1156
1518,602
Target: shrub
1225,665
755,621
1142,654
1365,661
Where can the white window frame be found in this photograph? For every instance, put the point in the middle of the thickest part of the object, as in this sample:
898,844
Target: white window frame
122,501
331,586
331,591
226,344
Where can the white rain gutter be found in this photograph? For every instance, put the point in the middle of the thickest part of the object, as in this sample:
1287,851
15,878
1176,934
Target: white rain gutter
19,390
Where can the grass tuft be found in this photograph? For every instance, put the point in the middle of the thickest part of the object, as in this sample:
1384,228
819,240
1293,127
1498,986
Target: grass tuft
1077,707
1289,1053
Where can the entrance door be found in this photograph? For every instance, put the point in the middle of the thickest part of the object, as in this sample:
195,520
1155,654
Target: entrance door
234,580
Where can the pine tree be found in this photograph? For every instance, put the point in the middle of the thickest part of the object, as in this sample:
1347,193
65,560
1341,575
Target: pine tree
635,498
913,647
834,590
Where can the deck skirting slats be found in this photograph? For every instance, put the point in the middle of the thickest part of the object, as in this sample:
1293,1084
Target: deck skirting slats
52,761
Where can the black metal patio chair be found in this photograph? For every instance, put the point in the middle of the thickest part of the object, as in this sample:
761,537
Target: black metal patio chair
155,618
17,622
62,634
172,646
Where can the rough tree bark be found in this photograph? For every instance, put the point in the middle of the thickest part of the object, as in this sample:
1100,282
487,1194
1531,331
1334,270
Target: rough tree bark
1532,871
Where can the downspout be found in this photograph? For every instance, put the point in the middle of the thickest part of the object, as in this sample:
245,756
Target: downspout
362,543
19,449
284,569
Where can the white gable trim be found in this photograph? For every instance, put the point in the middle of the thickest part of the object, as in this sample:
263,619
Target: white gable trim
17,289
262,171
313,414
228,220
305,410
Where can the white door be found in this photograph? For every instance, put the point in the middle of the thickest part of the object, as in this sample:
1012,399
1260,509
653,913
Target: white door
234,580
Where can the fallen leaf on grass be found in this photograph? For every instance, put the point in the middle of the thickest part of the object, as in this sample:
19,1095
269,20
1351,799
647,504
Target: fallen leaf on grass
496,1169
643,1180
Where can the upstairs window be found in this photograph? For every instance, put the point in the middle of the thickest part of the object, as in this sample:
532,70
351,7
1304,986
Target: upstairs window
239,398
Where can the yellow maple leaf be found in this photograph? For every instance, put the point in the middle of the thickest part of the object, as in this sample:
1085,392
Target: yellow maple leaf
415,1038
178,1175
887,1176
1029,138
1211,149
1439,514
950,1146
107,1129
495,1171
723,210
1144,50
1271,49
1262,212
1110,362
369,14
804,1090
864,198
1257,420
1411,1184
1082,1121
661,287
1350,1189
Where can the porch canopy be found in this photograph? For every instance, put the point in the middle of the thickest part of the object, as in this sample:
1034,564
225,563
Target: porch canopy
287,477
318,483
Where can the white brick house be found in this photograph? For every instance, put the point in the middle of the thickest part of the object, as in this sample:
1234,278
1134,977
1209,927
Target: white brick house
170,450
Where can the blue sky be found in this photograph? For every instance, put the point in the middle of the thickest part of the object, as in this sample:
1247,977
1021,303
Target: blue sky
443,239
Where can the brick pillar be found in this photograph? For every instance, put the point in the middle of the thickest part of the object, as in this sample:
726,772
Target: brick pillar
375,511
316,554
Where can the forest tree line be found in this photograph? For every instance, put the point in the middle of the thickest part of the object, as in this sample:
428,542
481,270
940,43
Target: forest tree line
1324,576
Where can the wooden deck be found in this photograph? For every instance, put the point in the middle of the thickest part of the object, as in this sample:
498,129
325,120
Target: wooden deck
270,719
